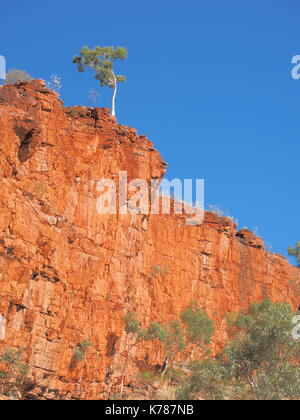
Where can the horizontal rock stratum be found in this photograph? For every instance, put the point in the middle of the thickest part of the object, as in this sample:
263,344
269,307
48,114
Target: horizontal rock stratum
68,274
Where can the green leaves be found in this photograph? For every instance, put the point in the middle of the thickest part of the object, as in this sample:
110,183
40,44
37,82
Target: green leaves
13,373
171,335
194,327
295,252
101,60
261,361
80,352
132,325
121,78
200,328
207,381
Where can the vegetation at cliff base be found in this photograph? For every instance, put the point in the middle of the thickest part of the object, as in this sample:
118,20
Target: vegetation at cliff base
260,362
13,373
193,328
199,327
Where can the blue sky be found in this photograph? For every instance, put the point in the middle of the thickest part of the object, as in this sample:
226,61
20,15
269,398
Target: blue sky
208,81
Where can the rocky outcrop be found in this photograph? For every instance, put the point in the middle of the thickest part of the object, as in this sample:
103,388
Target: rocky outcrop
68,274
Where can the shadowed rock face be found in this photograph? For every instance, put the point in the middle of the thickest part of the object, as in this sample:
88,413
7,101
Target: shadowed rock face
68,274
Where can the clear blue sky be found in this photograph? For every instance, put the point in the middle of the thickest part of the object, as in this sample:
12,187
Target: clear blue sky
208,81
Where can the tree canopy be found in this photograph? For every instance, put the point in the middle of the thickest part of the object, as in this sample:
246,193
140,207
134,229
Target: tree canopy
295,252
260,362
101,60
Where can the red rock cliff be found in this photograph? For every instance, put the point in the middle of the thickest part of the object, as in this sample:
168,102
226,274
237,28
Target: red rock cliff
68,274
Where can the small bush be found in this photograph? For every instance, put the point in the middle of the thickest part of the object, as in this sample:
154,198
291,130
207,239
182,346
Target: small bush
260,362
295,252
13,374
158,270
80,352
132,325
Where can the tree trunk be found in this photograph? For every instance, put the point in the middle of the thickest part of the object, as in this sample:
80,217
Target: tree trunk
123,376
124,369
113,112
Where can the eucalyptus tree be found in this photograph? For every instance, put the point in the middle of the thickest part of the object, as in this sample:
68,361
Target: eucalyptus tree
259,362
295,252
101,60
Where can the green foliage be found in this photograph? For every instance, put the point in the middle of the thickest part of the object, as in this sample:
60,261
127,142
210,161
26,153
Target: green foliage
200,328
158,270
261,362
206,382
133,326
13,373
131,323
264,333
157,331
171,335
15,76
194,327
295,252
80,352
101,61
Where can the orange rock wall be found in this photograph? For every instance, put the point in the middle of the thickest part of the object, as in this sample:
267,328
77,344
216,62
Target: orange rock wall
68,274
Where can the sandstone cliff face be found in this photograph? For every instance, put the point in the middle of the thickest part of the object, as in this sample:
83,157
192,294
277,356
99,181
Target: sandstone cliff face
68,274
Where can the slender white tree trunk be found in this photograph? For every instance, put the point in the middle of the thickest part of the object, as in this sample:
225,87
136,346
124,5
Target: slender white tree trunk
113,112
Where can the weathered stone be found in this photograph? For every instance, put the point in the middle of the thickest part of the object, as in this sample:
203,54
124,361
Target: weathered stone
68,274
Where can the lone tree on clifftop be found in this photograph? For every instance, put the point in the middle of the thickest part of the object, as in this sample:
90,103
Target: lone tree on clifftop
101,60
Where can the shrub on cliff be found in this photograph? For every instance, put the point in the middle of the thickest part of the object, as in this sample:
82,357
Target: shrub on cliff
261,362
80,352
15,76
194,327
13,373
199,327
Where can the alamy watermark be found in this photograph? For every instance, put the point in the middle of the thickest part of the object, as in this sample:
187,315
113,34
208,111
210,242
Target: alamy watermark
296,68
140,196
2,67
